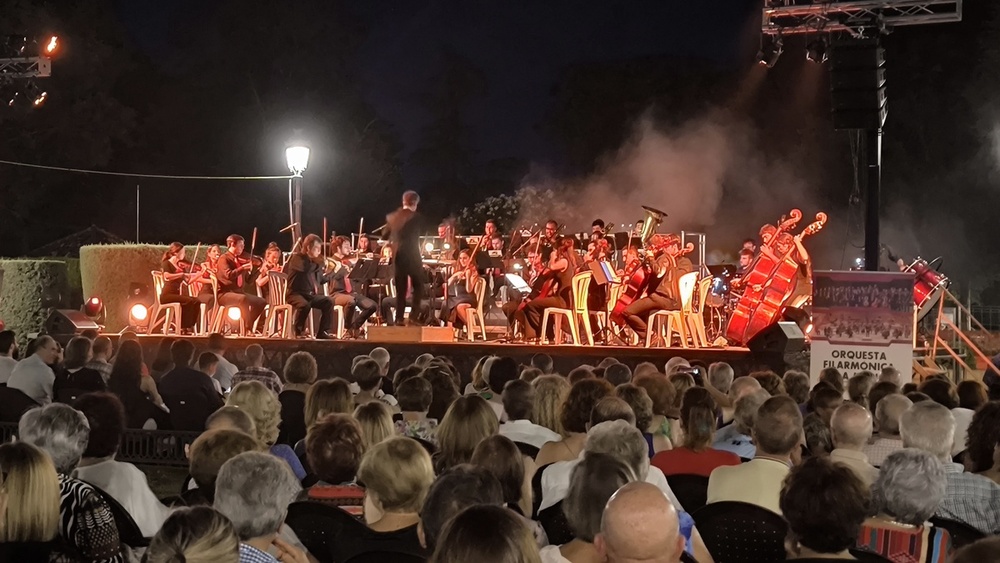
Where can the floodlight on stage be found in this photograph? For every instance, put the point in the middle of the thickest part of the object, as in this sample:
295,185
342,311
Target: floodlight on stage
93,307
816,51
769,52
233,313
40,99
52,45
297,157
137,314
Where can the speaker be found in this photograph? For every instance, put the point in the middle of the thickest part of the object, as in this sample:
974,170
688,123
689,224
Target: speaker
68,322
780,338
857,84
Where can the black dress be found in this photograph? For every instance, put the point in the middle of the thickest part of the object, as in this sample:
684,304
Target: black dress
172,293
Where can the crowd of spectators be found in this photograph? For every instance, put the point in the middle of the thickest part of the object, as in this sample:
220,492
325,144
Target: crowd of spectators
505,463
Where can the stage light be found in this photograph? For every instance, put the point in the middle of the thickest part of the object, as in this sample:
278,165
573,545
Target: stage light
769,53
17,44
447,246
517,266
233,313
816,51
40,99
52,45
137,314
429,246
93,307
297,157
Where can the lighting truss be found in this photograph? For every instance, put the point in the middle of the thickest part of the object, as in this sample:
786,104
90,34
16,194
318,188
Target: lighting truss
25,67
858,18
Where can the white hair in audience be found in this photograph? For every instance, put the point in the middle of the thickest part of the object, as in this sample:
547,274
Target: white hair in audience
60,430
889,410
721,374
253,490
622,440
928,426
746,409
910,486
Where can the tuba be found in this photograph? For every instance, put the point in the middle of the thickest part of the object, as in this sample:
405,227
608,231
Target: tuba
651,222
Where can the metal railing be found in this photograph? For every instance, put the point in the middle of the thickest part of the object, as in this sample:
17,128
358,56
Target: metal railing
144,447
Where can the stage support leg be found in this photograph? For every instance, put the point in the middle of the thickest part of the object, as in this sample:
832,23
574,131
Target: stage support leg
873,184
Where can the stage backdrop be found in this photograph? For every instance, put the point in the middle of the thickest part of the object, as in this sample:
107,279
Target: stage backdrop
862,321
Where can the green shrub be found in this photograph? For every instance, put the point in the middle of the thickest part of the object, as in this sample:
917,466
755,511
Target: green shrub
32,288
107,270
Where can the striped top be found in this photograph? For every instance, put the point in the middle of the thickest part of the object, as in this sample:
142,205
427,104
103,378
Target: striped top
927,544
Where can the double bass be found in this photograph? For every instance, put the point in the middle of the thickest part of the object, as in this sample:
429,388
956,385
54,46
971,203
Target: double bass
637,276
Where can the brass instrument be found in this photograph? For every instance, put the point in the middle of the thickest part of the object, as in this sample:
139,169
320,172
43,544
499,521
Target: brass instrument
652,220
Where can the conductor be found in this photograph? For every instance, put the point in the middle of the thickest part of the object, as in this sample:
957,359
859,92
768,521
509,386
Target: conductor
403,228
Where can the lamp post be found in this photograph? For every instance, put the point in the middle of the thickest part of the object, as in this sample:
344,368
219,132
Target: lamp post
297,157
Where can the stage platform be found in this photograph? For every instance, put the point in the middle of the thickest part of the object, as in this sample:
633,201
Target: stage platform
334,356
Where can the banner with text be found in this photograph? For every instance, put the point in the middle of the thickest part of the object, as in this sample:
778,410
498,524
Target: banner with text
862,321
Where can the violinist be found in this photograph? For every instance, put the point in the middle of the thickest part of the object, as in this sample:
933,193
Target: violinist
449,242
272,263
306,276
550,237
202,285
510,308
461,291
173,277
668,267
556,291
357,307
232,269
364,245
490,230
597,251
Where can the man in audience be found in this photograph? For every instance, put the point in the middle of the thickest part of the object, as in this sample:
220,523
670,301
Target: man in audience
618,374
887,414
851,428
676,364
496,374
381,355
543,362
367,374
209,452
740,386
645,368
969,498
255,370
226,370
518,402
453,491
825,400
736,437
188,393
208,363
720,375
32,375
254,490
777,431
101,359
8,345
890,374
611,408
639,524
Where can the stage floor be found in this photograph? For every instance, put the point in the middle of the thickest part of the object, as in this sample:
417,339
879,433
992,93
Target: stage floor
334,356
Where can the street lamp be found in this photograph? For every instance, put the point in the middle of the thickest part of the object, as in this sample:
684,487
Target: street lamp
297,157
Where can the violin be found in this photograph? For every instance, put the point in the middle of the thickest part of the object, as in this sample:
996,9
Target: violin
188,266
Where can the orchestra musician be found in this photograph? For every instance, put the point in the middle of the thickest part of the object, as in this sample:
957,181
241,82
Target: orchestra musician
173,277
535,268
461,291
746,260
597,229
490,230
561,267
788,245
751,245
449,242
202,285
667,268
357,307
306,276
598,250
364,245
231,271
550,237
272,262
403,226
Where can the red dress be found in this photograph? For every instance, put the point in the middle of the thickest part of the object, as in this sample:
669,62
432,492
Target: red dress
684,461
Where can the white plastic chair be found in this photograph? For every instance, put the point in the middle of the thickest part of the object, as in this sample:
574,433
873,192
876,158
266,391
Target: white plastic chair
559,313
666,323
696,319
171,311
277,285
476,313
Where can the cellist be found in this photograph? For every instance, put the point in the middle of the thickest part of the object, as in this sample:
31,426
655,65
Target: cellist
664,295
556,291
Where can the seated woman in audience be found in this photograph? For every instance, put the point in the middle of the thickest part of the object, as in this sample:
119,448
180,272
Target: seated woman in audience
87,529
550,393
642,405
231,418
29,503
75,378
299,373
263,407
334,447
859,387
197,535
137,392
592,483
123,481
376,422
574,415
909,488
453,491
498,455
664,426
397,474
444,392
478,384
824,504
163,362
817,435
982,452
206,456
486,533
695,456
325,397
414,396
468,421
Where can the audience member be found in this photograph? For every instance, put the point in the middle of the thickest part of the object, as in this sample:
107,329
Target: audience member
817,435
736,437
640,524
891,375
641,404
381,357
162,360
498,455
300,372
469,420
879,391
188,393
968,498
797,386
676,364
682,381
255,370
334,449
851,429
543,362
550,391
611,408
982,454
859,386
444,392
833,377
123,481
75,379
231,418
325,397
909,487
194,535
890,408
518,402
824,504
452,492
986,549
226,370
645,368
423,360
86,526
375,420
415,395
263,407
825,400
777,431
209,452
404,373
368,375
618,374
770,382
530,374
8,349
720,376
496,375
32,375
486,533
101,359
254,490
208,364
944,393
665,426
29,503
972,394
915,396
579,373
573,417
695,456
138,393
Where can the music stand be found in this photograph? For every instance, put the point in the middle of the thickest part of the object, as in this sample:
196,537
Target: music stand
364,270
603,272
492,259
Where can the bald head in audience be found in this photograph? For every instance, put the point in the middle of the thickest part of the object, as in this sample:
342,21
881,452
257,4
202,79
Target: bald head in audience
851,426
639,524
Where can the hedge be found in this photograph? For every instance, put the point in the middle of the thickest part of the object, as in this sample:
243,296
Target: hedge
108,269
31,288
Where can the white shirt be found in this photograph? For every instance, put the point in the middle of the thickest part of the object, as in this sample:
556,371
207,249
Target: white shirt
126,484
224,373
963,418
6,367
555,482
34,378
528,432
857,462
551,554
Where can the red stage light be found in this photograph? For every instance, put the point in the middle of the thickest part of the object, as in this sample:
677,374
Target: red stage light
92,308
